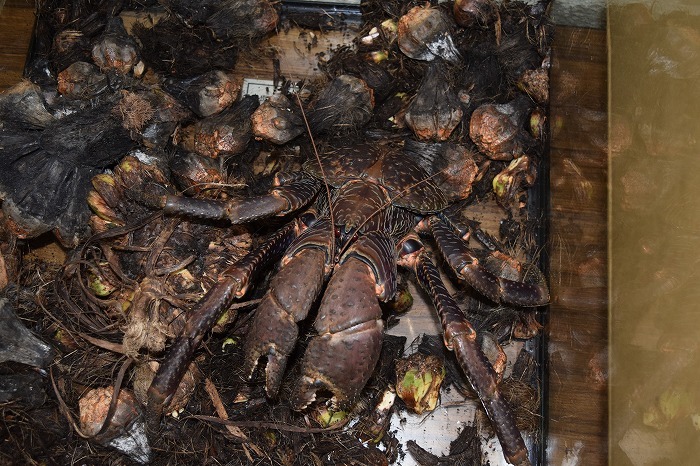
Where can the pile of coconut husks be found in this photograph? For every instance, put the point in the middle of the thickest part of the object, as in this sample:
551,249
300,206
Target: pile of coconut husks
136,98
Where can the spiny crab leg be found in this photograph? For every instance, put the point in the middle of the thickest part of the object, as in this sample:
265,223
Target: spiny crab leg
459,336
468,267
232,284
291,193
470,228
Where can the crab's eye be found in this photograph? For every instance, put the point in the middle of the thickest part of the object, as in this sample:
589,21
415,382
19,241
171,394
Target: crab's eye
410,246
281,178
307,218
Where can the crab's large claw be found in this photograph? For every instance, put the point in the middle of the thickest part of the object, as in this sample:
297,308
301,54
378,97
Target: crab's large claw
342,357
521,289
292,292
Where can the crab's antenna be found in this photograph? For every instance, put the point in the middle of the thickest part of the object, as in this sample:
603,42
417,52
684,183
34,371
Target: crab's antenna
323,175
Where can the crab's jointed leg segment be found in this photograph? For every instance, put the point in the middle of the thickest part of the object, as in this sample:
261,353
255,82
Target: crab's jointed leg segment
232,284
467,266
460,337
290,194
466,228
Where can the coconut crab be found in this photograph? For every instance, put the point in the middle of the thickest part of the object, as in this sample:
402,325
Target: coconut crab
346,252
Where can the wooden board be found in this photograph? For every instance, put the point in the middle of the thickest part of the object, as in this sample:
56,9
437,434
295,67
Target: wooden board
16,25
578,325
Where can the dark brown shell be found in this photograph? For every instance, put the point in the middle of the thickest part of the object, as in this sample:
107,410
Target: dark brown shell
343,163
410,186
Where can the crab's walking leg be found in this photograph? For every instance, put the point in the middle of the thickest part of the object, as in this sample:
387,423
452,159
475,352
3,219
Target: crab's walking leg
291,193
499,289
232,284
470,228
460,337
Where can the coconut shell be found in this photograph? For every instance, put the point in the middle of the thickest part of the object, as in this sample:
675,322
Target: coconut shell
469,13
435,110
425,34
343,106
115,49
82,80
206,94
276,121
226,133
498,130
239,19
174,50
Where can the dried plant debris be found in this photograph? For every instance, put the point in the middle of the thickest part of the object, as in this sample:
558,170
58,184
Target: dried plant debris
45,172
18,343
120,427
198,37
129,103
227,19
27,389
65,32
464,451
169,48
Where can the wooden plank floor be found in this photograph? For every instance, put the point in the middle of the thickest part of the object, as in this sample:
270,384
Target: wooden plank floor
577,326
